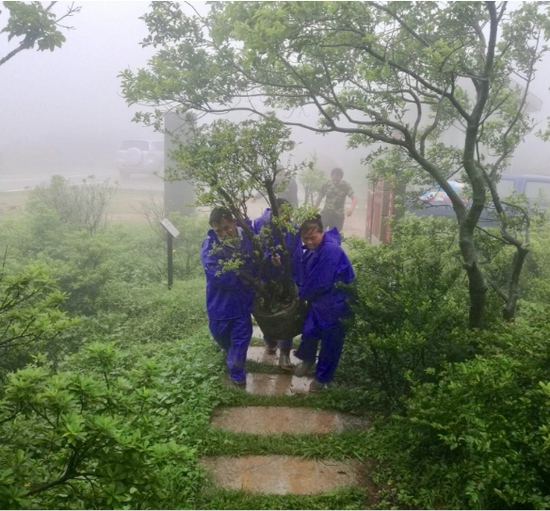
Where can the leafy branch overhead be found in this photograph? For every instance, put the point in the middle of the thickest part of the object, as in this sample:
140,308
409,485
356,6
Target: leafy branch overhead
444,86
37,25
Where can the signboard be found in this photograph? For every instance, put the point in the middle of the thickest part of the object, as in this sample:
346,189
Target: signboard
170,227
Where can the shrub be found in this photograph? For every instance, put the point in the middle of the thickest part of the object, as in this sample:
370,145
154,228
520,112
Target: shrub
30,314
479,437
108,429
85,205
410,308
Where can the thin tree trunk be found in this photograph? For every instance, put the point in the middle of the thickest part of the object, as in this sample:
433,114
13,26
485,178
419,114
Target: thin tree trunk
477,288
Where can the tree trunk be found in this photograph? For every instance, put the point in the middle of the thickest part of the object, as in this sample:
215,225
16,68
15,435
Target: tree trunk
477,288
509,311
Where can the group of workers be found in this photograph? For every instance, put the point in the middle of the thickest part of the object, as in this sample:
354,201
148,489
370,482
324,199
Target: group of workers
319,267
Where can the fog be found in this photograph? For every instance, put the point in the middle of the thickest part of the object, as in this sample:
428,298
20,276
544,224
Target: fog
62,111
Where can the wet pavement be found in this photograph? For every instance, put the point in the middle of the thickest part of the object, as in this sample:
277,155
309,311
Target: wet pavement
269,420
283,474
258,354
275,384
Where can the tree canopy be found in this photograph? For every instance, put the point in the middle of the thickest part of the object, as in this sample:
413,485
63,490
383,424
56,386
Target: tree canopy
398,73
36,25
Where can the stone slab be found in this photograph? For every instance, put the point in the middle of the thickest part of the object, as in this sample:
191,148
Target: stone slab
268,420
275,384
258,334
283,474
258,354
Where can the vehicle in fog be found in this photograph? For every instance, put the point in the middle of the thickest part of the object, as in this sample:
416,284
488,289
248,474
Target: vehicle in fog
435,202
140,156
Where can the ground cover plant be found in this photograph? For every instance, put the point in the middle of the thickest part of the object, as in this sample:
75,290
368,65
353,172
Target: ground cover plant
108,404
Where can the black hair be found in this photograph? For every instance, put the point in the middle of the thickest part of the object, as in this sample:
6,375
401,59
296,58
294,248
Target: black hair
282,202
312,223
338,171
219,214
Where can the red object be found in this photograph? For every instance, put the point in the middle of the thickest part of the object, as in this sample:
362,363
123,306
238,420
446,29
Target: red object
380,200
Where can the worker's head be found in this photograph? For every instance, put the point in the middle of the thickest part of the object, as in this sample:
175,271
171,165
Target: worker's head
336,176
312,232
223,223
284,204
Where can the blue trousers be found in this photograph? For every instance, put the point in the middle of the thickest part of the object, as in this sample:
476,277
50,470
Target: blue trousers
284,345
234,336
332,342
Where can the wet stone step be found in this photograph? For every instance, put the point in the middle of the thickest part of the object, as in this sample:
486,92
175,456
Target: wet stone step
275,384
268,420
283,474
258,354
258,334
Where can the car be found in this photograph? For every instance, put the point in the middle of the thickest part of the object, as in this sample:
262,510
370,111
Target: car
436,202
140,156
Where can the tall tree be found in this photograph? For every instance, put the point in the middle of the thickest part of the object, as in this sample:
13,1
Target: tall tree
397,73
37,25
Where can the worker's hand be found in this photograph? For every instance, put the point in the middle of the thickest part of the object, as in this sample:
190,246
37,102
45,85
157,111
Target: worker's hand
349,212
276,260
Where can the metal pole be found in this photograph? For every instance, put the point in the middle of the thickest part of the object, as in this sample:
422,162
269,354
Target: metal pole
170,259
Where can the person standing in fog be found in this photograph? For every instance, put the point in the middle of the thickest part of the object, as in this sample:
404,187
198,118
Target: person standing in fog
336,192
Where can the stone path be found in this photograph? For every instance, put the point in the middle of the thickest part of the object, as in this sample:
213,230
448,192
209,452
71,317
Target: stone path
283,474
275,384
269,420
258,354
276,474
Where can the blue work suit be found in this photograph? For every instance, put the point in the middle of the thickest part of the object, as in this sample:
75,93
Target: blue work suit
323,268
294,246
229,301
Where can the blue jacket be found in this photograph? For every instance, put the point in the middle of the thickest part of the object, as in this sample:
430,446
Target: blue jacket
322,269
293,243
227,295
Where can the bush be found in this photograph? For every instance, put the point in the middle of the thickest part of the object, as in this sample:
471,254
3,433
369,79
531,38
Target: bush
479,437
85,205
30,314
410,311
110,430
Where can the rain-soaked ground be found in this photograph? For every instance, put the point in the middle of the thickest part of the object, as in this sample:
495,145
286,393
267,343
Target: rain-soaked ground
275,474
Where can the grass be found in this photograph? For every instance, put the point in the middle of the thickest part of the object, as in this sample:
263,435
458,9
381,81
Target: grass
341,499
334,446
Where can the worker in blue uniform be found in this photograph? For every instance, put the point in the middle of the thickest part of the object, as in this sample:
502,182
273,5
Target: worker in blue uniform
229,296
294,246
325,268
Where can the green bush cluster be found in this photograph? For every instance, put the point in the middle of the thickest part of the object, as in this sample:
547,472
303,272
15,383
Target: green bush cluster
410,309
478,437
112,428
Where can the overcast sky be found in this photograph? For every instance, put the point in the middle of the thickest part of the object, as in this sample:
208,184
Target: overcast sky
64,108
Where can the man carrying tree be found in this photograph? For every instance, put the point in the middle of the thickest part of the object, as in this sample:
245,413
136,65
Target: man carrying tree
294,245
229,298
333,214
325,268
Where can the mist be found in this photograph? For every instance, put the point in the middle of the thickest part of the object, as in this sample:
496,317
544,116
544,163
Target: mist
63,112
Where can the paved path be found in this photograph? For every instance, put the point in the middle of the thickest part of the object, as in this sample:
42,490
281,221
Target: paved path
276,474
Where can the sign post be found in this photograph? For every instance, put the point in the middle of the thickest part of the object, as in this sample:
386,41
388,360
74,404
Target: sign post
171,233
